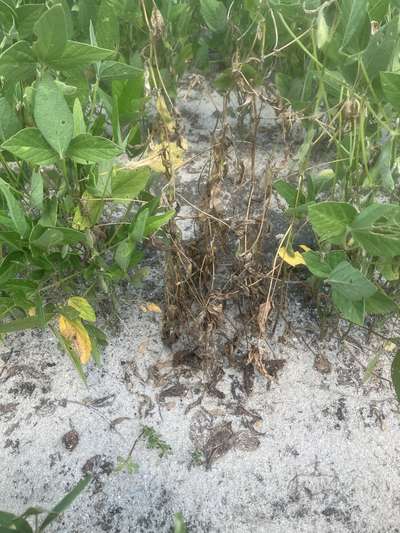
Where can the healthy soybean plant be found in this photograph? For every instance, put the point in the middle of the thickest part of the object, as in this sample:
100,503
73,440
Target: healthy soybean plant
349,85
65,120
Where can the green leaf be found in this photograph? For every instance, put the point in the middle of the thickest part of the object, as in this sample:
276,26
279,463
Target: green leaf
395,372
379,54
155,222
355,14
28,144
9,121
322,29
53,116
354,311
18,62
124,252
79,119
78,55
14,208
113,70
389,268
51,31
380,304
381,173
98,340
127,184
65,502
179,524
289,192
321,265
350,282
23,324
58,237
377,9
107,25
391,88
137,229
86,148
7,15
50,212
377,230
214,14
330,220
27,15
6,519
86,13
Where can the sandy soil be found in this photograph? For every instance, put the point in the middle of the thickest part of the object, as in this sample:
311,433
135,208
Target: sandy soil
316,450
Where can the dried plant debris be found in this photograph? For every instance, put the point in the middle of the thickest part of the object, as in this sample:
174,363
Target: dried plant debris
213,440
70,440
188,358
177,390
218,283
322,364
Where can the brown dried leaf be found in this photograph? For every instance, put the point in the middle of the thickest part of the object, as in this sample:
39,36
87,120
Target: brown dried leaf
173,391
215,197
157,23
219,443
322,364
245,441
263,313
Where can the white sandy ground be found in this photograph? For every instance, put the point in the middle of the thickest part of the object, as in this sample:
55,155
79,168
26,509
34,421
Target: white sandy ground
328,462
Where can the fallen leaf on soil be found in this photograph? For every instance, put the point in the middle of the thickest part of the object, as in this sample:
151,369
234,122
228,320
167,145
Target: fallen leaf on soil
174,390
105,401
152,308
245,441
273,366
322,364
75,331
219,443
254,357
70,440
143,345
118,420
6,408
186,358
248,378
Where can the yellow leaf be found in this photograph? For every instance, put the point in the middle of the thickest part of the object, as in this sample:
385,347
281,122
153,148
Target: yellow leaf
75,332
83,307
32,311
305,247
170,152
165,114
153,308
86,214
291,258
389,346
